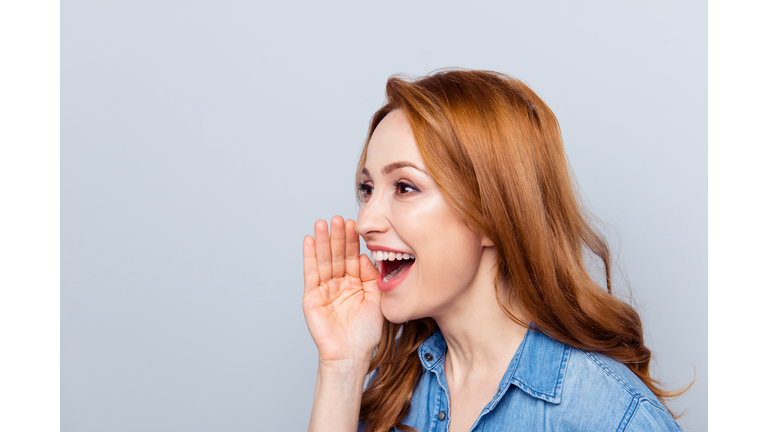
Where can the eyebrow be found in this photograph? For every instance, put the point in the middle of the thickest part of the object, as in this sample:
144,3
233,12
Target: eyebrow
393,166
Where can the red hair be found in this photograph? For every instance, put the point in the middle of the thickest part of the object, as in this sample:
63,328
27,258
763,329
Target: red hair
495,150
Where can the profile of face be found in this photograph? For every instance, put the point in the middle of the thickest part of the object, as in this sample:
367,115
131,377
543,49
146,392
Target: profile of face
404,215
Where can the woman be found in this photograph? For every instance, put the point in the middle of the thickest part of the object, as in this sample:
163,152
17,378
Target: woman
480,313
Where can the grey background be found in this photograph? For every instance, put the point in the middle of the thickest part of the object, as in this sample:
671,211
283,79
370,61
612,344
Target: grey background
201,140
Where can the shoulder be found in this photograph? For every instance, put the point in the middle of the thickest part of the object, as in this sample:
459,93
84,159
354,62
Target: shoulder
604,391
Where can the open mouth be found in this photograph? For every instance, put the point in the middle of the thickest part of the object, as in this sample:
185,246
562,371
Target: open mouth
392,264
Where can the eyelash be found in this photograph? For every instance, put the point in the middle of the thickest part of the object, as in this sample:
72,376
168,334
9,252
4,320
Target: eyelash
364,188
398,183
367,189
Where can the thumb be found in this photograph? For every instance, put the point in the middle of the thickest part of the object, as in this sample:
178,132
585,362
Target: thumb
367,271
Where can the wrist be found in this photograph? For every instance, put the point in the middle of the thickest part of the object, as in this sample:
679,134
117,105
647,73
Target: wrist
338,394
344,366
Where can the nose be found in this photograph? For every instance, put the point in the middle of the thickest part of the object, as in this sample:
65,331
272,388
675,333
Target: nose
372,218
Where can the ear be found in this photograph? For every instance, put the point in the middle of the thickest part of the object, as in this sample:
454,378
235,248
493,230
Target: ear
486,242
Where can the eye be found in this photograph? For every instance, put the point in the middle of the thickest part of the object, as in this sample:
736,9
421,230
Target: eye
403,188
365,189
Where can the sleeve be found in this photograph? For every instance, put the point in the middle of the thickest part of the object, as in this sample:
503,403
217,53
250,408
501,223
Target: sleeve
649,417
369,379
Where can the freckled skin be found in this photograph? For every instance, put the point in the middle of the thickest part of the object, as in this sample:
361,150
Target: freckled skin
416,218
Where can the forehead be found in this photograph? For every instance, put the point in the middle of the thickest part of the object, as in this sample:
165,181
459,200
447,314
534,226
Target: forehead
392,141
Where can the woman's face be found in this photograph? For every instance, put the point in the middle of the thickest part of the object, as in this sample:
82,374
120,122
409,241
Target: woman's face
405,213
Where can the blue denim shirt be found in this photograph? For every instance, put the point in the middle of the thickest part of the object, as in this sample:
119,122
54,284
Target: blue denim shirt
548,386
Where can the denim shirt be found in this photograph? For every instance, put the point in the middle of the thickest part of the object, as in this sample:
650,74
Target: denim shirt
548,386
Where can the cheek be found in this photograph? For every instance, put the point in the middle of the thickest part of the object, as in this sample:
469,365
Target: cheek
433,284
448,275
445,243
448,257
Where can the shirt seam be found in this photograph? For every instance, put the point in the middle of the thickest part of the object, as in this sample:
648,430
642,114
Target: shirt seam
640,400
621,381
629,414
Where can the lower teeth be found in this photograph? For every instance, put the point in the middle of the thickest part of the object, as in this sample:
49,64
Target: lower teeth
389,276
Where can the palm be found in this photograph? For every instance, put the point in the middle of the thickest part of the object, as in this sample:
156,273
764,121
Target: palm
341,299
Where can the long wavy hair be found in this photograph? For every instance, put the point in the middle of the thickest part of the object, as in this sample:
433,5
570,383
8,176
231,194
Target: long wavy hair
495,150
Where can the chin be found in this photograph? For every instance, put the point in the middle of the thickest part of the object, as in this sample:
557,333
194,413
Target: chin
394,313
396,317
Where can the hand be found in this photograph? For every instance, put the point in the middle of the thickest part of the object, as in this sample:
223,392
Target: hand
342,304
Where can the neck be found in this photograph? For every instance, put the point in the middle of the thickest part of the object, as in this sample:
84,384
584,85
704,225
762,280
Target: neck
481,338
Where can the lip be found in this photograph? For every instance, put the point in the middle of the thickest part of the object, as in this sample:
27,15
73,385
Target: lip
392,283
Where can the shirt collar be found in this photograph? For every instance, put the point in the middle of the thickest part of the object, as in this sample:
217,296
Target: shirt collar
538,367
432,351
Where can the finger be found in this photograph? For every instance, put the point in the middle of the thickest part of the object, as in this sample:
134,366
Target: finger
353,250
323,251
369,275
311,277
368,272
337,245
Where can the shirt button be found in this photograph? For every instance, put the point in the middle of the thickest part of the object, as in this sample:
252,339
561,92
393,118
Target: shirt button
441,416
428,356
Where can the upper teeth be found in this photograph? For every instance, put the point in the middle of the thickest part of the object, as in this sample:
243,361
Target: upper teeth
390,256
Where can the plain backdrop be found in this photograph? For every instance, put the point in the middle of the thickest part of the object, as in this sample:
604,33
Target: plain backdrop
200,140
